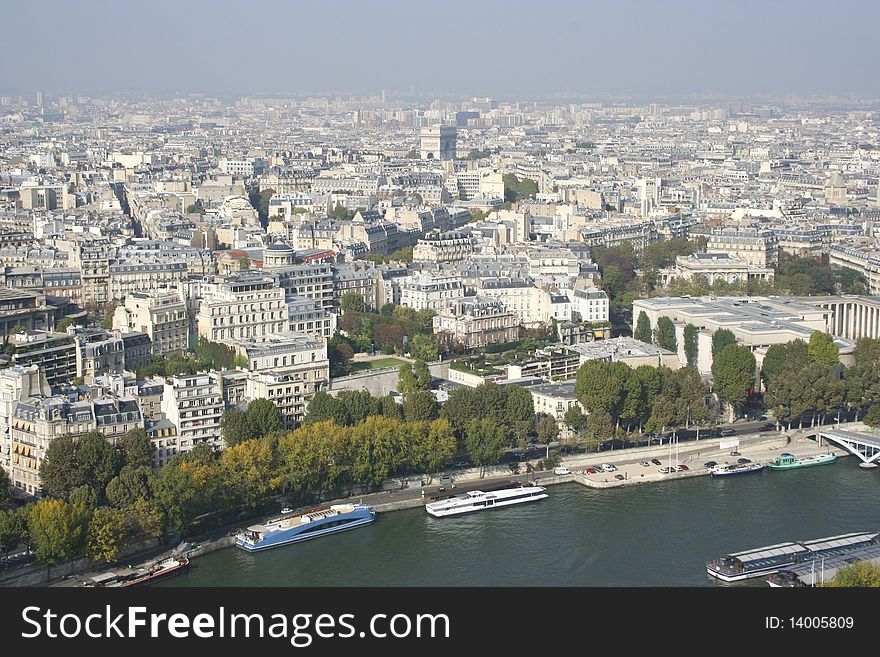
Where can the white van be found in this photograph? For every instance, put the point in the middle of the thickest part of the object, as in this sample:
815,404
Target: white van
561,471
607,467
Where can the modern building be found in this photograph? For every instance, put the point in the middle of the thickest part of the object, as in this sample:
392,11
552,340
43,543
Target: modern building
56,354
194,404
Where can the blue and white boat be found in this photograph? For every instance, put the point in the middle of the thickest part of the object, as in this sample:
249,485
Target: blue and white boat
292,528
735,469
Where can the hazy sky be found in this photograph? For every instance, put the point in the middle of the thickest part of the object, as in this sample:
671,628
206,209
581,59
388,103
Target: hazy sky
505,48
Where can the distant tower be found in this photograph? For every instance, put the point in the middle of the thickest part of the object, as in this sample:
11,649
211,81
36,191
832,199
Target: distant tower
438,142
383,96
39,99
649,194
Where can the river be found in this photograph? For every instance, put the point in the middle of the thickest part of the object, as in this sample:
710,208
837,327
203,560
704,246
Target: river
648,535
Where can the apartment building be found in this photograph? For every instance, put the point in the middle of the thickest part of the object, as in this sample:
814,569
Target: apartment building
244,305
430,291
476,322
161,315
56,354
194,404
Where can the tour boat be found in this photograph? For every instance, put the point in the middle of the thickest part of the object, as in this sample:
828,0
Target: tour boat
476,500
292,528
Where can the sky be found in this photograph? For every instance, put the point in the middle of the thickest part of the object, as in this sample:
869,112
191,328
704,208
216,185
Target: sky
504,48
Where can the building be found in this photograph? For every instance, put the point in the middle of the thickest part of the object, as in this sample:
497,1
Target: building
437,247
161,315
194,404
430,291
143,276
244,305
589,305
98,352
137,349
475,322
287,369
713,267
756,322
308,318
357,277
554,399
626,350
438,142
757,247
24,309
852,317
56,354
17,383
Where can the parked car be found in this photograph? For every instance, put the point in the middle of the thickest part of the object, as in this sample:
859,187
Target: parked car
592,470
607,467
561,471
665,470
710,464
728,432
682,467
655,461
644,464
743,461
620,477
735,453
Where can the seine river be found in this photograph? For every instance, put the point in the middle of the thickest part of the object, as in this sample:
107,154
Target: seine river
648,535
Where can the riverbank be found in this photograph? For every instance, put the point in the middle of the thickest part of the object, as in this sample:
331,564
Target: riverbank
761,448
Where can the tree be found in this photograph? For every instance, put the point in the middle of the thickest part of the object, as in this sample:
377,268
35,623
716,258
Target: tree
244,263
352,302
61,326
131,485
322,407
340,353
106,534
136,448
600,387
195,208
643,328
781,358
407,381
59,472
422,375
720,339
734,372
484,442
547,430
107,322
516,189
691,346
858,574
358,405
264,417
97,460
236,427
422,348
84,496
13,530
872,417
5,488
575,419
822,349
665,335
145,519
420,406
58,530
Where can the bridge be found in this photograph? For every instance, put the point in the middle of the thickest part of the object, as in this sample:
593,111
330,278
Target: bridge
864,445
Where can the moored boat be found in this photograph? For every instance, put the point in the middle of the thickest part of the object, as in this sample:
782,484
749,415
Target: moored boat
727,470
476,500
126,577
291,528
790,461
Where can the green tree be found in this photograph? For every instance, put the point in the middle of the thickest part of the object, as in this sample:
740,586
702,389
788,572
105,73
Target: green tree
822,349
144,519
340,353
422,375
130,485
407,381
57,530
61,326
322,407
13,530
106,534
431,445
244,263
422,348
575,419
5,489
236,427
547,430
643,328
516,189
665,335
858,574
600,387
781,358
872,417
107,322
264,417
195,208
691,345
352,302
84,496
484,442
357,405
388,407
59,471
97,460
136,448
734,371
420,406
720,339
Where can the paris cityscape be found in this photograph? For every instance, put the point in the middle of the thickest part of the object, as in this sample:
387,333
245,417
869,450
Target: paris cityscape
362,298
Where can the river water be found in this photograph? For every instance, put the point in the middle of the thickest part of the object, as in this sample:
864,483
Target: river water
658,534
